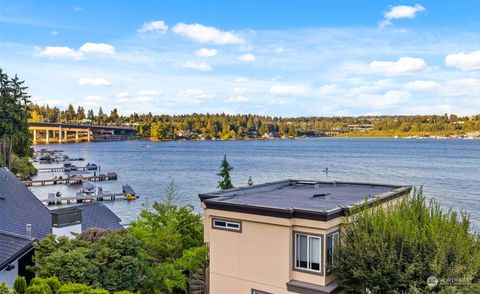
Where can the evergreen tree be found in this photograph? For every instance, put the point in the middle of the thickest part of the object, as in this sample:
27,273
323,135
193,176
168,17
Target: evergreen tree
226,181
20,285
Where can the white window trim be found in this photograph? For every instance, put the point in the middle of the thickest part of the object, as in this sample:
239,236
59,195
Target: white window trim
226,227
308,268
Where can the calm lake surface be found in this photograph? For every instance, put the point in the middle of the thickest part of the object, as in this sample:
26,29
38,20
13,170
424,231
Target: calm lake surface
449,170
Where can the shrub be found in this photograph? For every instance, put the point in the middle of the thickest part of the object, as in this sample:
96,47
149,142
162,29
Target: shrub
20,285
395,249
38,288
72,288
4,288
53,283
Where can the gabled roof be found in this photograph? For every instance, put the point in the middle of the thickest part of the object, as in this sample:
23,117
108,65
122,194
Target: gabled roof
19,207
95,215
13,246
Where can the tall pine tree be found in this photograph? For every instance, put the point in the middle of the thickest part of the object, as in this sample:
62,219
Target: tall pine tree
226,181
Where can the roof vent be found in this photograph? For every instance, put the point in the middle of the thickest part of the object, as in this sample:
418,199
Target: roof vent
321,195
29,230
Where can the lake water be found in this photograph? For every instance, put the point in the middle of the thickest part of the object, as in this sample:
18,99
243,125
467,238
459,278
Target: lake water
449,170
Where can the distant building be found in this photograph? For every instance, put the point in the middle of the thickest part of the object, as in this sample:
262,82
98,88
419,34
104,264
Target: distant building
25,219
280,237
79,218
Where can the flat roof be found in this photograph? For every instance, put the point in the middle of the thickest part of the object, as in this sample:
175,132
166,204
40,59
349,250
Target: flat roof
302,198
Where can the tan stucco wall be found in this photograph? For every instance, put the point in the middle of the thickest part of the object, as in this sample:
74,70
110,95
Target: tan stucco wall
261,256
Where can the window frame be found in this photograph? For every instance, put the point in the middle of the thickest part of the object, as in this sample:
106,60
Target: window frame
255,291
328,264
226,227
319,272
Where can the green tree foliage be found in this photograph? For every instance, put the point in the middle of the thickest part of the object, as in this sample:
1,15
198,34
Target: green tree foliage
14,114
225,169
20,285
4,288
116,256
246,126
173,246
395,250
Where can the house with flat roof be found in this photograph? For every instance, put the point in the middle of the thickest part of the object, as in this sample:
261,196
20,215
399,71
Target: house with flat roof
280,237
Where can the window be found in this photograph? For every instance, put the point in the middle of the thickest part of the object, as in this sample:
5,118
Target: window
332,242
308,252
259,292
224,224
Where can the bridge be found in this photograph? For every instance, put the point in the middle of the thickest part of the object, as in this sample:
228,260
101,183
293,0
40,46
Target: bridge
64,133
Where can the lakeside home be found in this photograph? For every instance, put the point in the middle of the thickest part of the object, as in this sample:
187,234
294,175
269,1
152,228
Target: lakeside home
280,237
25,219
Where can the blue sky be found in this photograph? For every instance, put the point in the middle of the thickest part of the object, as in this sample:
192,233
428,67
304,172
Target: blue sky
286,58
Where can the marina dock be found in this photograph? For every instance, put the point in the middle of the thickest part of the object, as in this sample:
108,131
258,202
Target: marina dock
60,169
72,180
78,199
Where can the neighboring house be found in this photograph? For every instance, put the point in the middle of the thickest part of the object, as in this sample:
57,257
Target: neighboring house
24,219
79,218
15,255
280,237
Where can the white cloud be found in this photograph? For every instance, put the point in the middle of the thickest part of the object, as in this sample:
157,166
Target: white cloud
404,65
289,90
241,80
157,26
247,57
461,87
238,99
329,90
193,93
279,50
123,95
149,93
422,86
202,66
243,90
401,11
205,34
53,52
205,52
94,98
54,33
93,82
464,61
388,99
97,48
143,98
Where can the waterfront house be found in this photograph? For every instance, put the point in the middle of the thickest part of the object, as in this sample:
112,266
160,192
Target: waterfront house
24,219
280,237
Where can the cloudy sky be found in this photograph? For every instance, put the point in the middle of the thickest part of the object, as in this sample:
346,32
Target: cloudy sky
286,58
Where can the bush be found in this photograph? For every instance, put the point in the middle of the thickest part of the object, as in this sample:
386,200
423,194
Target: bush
53,283
395,249
4,288
20,285
72,288
38,288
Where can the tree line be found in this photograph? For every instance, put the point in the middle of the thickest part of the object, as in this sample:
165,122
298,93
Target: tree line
250,126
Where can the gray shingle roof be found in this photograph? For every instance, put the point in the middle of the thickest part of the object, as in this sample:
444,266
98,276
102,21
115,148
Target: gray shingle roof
19,207
13,246
96,215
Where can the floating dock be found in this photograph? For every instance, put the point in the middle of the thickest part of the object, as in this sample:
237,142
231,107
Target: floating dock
79,199
126,194
61,169
72,180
